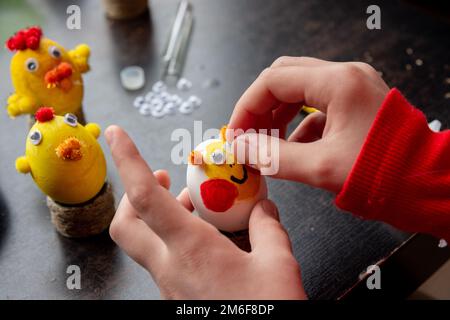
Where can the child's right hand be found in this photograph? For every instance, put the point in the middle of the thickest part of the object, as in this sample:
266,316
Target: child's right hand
323,148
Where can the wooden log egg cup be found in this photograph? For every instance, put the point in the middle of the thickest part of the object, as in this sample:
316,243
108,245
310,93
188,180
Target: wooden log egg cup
68,165
44,73
86,219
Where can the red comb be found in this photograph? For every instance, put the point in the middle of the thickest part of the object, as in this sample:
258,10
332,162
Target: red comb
25,39
44,114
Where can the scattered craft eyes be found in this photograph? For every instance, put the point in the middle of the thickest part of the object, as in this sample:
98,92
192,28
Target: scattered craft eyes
159,102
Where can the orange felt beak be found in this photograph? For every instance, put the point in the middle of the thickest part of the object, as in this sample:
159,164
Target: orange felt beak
195,158
69,149
59,75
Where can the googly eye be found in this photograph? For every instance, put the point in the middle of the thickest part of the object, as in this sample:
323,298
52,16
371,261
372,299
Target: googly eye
218,157
54,52
31,64
35,137
71,119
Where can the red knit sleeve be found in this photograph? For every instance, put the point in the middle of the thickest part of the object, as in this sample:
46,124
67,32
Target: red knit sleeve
402,174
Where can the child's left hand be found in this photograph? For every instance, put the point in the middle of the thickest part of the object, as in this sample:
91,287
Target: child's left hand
187,257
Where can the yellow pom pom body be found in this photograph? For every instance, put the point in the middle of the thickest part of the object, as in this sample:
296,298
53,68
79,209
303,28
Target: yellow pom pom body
80,56
67,164
30,73
22,165
94,129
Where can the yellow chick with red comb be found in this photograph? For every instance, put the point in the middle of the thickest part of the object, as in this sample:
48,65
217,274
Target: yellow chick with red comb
223,191
64,157
44,73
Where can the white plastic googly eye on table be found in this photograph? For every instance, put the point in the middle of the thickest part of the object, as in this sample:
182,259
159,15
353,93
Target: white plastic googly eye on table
165,96
170,105
170,108
176,99
159,87
132,77
138,101
158,113
145,109
149,96
196,101
157,104
184,84
186,108
155,100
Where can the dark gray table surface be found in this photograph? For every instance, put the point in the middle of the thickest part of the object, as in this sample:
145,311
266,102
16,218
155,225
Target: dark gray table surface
232,41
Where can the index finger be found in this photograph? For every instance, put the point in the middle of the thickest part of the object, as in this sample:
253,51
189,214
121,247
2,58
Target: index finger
154,204
286,84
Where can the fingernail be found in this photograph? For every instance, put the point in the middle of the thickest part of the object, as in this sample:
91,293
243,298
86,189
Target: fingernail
270,208
229,135
109,135
240,149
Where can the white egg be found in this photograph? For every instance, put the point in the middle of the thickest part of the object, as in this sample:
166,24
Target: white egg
220,213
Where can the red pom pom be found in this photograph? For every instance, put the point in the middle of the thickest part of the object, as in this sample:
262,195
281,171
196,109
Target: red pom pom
34,32
11,44
25,39
65,70
44,114
51,77
32,43
218,194
20,41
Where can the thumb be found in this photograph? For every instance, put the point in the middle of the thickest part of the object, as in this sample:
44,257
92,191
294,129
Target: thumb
265,230
282,159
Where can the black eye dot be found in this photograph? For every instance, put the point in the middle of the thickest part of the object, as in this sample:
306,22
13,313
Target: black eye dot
31,66
231,166
55,52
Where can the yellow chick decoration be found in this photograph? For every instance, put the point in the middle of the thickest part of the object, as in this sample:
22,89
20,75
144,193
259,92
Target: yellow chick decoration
222,191
45,74
64,157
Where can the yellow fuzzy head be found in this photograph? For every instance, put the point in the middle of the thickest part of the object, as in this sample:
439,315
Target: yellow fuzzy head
50,75
64,158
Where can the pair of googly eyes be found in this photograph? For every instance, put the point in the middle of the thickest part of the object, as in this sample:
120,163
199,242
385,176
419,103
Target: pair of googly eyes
36,136
32,64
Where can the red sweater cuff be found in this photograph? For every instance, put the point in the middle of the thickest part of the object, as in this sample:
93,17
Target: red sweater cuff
401,175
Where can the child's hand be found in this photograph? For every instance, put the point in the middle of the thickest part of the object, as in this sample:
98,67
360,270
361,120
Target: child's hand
187,257
322,149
